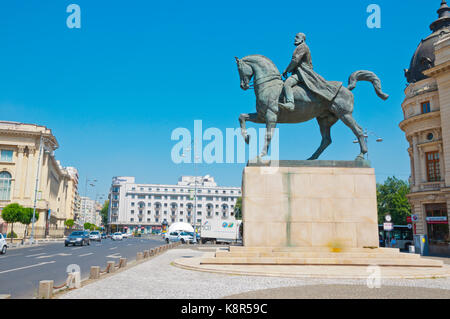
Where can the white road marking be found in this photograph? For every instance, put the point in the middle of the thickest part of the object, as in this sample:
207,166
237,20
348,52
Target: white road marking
76,248
7,255
113,248
35,255
49,256
114,256
86,254
36,265
37,249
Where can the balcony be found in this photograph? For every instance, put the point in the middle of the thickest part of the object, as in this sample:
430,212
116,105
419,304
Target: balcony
431,186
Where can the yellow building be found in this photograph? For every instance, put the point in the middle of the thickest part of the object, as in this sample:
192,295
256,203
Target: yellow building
426,124
20,147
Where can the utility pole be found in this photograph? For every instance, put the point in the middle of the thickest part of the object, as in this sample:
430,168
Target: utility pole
41,147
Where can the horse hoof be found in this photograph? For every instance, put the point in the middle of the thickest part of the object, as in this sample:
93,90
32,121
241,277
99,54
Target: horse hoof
360,157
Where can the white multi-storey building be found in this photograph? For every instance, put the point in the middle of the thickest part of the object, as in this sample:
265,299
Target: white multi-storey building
148,206
89,212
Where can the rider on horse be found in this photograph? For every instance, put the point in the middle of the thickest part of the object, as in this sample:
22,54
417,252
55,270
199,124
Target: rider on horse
302,72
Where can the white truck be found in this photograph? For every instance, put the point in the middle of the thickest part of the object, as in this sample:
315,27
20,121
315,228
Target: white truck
220,231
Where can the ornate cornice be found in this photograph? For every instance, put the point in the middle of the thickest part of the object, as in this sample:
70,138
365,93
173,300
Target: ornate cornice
438,69
418,118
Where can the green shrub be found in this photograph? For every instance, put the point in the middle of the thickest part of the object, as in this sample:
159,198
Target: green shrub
14,235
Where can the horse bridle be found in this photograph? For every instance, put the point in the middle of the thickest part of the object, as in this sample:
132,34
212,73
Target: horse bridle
257,82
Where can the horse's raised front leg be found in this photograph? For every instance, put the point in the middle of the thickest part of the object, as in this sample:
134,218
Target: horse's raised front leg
252,117
271,123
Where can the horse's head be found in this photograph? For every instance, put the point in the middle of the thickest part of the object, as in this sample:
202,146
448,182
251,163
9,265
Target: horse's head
245,73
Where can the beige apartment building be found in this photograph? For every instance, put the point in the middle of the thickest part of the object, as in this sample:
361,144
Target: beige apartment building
426,124
20,147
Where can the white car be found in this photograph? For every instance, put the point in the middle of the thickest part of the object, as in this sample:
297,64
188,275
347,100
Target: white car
182,236
95,235
3,245
117,236
126,235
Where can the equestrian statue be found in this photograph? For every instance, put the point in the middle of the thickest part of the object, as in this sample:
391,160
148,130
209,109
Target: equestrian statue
301,97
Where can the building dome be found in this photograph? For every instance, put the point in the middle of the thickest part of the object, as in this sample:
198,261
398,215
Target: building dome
423,58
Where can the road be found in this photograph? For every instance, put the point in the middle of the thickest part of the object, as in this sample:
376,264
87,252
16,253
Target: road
21,269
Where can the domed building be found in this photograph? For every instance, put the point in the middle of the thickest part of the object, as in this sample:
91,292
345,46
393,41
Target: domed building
426,124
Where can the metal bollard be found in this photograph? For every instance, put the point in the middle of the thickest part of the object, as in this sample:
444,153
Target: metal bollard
146,254
95,272
122,262
139,256
111,266
45,289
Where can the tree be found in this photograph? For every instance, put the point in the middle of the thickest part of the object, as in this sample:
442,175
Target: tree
69,223
12,214
238,209
27,218
87,225
391,198
104,213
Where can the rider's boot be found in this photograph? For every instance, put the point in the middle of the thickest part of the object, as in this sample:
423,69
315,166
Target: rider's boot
287,106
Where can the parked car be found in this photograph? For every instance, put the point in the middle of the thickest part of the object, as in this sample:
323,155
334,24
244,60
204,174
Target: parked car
77,238
126,235
198,236
95,235
3,245
104,236
117,236
183,237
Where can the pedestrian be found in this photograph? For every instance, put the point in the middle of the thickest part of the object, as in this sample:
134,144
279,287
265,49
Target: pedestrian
393,242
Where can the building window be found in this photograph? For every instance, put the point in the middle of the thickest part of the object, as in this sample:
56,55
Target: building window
433,169
426,107
6,156
5,186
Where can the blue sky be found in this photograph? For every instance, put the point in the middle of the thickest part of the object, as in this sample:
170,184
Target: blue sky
113,91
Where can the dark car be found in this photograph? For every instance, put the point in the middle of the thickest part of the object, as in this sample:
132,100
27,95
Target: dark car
77,238
104,236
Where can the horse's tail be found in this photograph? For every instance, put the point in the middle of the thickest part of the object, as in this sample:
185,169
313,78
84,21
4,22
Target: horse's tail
367,76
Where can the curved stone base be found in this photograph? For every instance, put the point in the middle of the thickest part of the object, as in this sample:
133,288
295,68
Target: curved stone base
319,271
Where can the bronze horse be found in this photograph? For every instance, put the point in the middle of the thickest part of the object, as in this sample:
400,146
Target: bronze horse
268,86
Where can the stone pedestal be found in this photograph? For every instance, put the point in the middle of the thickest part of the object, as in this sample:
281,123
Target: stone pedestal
311,214
310,204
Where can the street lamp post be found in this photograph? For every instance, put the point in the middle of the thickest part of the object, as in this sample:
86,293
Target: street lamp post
85,197
41,148
194,241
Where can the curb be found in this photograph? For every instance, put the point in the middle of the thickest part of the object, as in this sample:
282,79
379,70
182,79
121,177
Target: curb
47,290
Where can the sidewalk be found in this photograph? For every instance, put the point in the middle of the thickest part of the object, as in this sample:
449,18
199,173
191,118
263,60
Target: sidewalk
38,242
159,279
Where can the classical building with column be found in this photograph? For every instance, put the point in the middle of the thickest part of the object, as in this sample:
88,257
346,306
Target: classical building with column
426,124
148,206
20,146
